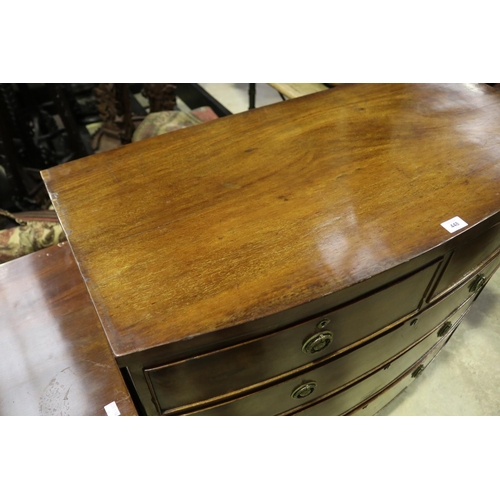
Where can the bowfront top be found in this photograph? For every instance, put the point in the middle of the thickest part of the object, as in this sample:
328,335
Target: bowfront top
249,215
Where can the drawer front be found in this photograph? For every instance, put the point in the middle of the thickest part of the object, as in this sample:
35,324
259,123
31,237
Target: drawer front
465,259
442,308
337,373
341,402
374,405
231,369
351,397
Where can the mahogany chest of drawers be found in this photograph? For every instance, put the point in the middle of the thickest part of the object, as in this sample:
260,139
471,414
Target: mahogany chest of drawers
294,259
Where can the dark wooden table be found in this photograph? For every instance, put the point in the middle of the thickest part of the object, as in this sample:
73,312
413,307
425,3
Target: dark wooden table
55,359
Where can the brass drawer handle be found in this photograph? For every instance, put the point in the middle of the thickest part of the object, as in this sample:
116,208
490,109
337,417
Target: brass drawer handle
317,342
304,390
477,283
445,329
418,371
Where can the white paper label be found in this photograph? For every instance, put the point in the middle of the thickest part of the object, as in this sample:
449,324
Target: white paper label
112,410
454,224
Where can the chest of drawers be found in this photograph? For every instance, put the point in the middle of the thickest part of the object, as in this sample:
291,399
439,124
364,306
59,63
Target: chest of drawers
290,260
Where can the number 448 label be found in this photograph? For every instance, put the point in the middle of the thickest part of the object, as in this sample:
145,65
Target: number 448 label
454,224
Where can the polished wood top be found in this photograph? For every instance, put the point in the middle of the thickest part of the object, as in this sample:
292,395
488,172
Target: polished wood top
55,359
222,223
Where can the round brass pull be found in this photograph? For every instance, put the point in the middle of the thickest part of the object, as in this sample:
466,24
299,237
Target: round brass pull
477,283
304,390
444,329
317,342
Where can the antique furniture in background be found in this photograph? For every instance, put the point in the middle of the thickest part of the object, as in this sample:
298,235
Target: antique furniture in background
294,90
120,113
41,125
302,258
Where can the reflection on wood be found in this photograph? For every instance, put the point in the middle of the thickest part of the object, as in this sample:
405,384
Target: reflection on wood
55,358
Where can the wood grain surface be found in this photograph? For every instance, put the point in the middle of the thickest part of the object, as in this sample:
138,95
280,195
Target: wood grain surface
55,359
247,216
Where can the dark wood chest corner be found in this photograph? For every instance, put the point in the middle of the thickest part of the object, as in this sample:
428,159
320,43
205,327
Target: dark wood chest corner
304,258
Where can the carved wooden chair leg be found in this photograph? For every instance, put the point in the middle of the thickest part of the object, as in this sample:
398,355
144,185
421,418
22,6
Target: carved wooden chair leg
63,107
9,155
161,96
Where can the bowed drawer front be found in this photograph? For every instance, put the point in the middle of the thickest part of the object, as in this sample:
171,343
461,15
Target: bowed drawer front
223,372
340,372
